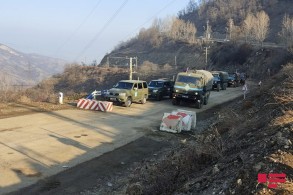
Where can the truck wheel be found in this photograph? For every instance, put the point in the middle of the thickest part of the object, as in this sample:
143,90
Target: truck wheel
205,101
198,105
128,102
159,97
143,101
218,87
175,101
225,86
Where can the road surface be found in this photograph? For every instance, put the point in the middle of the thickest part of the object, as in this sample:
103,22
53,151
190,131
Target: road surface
34,147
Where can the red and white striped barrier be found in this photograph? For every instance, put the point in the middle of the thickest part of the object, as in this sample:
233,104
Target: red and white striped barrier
178,120
171,123
188,120
88,104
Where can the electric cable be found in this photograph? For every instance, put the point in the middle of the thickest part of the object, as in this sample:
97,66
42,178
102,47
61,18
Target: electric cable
102,30
78,27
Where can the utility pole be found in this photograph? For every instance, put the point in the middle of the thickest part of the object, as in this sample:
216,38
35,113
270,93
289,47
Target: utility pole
175,62
130,68
206,55
208,31
130,64
135,64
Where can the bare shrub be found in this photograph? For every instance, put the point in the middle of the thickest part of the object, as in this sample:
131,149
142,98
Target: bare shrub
212,143
167,67
24,99
148,67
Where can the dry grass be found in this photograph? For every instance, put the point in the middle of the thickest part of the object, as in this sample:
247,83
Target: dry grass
286,118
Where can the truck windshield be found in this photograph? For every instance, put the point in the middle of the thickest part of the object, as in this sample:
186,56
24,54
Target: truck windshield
123,85
187,79
156,84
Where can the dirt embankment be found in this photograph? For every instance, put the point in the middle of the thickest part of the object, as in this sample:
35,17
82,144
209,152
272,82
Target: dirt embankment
243,139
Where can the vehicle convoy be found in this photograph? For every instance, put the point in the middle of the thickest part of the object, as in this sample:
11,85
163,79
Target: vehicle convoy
220,80
160,88
128,91
193,86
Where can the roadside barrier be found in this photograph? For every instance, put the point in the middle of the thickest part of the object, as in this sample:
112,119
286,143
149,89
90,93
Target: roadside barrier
191,119
88,104
171,123
178,120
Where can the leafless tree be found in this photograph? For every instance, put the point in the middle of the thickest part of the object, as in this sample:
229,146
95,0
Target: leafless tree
231,28
166,25
287,31
181,30
5,85
247,26
261,26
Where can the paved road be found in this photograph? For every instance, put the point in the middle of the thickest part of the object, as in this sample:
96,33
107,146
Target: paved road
36,146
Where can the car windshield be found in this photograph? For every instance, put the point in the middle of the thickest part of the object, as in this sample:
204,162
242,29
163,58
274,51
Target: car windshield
156,84
187,79
123,85
216,75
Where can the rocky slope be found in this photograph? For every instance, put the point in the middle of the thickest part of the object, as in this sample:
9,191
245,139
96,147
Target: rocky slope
21,68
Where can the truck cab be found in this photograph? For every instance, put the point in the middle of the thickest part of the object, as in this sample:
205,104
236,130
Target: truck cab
220,80
193,86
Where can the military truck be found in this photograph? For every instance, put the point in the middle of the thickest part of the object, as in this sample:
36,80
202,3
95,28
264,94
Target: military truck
220,80
233,80
128,91
193,86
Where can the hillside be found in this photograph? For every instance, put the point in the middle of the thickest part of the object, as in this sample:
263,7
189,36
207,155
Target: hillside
19,68
218,12
169,40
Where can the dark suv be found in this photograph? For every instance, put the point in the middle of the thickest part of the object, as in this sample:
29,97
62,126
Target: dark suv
160,88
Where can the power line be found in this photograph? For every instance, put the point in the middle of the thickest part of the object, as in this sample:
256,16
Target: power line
151,18
78,27
102,30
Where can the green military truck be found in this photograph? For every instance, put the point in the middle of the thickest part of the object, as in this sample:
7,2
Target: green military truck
128,91
221,79
193,86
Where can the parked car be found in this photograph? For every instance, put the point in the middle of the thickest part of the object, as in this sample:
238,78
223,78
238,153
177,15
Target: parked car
128,91
160,88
